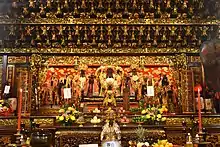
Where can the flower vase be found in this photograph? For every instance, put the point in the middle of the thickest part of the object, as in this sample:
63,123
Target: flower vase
157,122
163,122
66,124
151,122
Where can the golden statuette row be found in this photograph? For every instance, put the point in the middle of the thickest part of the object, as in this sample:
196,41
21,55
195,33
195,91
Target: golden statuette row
99,50
107,36
125,9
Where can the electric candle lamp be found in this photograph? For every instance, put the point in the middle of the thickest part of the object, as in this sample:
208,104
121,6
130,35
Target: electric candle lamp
198,89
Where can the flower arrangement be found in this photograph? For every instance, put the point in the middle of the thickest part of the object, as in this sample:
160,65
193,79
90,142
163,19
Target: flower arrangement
67,115
159,143
5,108
162,143
154,114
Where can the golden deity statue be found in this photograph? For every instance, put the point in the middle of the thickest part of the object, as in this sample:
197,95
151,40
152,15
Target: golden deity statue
109,99
111,132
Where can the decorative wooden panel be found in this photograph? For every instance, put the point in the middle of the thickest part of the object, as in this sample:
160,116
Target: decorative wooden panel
10,76
188,100
22,78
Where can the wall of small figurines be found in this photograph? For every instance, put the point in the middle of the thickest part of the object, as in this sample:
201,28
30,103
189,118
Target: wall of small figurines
180,9
107,36
109,24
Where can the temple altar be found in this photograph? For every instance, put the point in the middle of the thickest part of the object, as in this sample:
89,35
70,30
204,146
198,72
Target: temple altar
92,71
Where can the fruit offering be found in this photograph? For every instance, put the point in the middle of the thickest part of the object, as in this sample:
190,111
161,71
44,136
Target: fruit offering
162,143
96,110
124,119
139,119
121,110
95,120
4,107
143,144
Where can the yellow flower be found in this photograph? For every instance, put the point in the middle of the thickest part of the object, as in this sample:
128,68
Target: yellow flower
74,112
163,106
61,111
1,101
61,118
163,142
72,118
160,110
57,117
159,115
163,118
71,109
153,117
153,108
147,116
0,105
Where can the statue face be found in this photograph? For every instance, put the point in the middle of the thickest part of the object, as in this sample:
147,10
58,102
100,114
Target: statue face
82,72
111,122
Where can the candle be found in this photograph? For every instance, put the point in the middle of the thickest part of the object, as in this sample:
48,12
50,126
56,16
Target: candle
19,110
199,111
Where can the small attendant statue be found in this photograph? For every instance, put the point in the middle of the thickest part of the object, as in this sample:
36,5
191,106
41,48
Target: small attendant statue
136,80
119,77
81,81
110,97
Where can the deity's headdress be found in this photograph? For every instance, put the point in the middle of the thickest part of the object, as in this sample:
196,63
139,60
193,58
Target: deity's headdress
83,67
134,66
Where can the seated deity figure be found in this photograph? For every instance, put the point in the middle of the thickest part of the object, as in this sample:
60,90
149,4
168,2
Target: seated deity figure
111,133
106,76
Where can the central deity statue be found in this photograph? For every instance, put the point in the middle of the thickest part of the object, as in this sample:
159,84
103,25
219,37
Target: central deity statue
110,83
110,75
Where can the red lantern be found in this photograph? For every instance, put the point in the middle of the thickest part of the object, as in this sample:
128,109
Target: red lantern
198,88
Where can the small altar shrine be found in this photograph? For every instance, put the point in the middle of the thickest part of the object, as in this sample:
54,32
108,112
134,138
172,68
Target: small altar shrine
83,72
